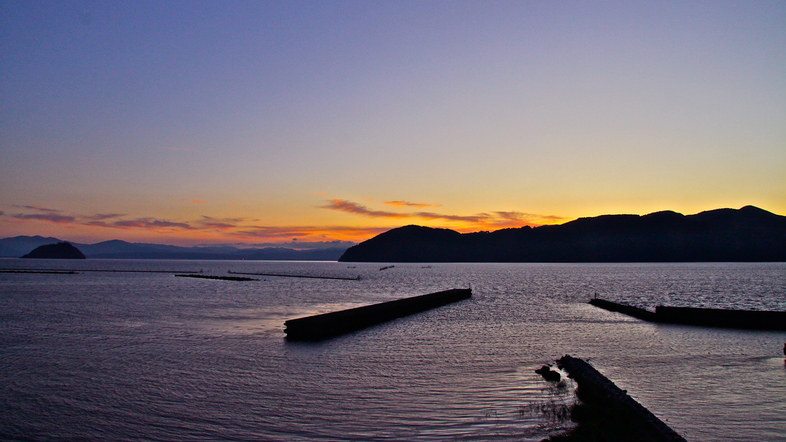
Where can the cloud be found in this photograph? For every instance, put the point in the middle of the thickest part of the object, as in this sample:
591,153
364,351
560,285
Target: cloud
103,216
465,218
493,220
208,222
198,202
48,217
359,209
151,223
40,209
205,228
529,217
251,231
409,204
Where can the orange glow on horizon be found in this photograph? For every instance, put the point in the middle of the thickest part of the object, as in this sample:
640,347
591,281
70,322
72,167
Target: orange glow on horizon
337,220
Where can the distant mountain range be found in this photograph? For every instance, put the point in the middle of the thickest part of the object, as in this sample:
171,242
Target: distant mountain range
746,235
117,249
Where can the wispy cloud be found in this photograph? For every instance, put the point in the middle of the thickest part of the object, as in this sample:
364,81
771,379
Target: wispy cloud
104,216
198,202
493,220
352,207
529,218
462,218
252,231
208,222
106,220
206,228
48,217
151,223
409,204
39,209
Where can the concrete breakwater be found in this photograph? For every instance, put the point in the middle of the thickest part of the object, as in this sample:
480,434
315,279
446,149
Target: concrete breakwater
284,275
750,319
613,410
747,319
622,308
319,327
221,278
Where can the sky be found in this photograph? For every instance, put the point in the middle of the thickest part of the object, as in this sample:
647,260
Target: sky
285,122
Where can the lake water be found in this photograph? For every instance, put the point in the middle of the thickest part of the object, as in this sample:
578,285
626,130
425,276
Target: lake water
130,356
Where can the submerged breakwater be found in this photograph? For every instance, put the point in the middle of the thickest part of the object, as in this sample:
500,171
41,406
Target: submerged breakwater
319,327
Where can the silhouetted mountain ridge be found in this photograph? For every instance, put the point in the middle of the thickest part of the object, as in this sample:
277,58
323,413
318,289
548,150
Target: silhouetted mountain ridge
747,234
118,249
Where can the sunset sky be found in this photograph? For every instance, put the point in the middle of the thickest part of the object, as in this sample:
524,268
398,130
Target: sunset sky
202,122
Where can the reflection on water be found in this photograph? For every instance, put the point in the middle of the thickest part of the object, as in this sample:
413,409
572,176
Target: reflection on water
147,355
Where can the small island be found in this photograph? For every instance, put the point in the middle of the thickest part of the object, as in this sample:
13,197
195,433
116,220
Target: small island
62,250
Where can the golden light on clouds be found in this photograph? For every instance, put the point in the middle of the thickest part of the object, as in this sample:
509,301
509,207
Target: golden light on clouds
409,204
246,229
480,221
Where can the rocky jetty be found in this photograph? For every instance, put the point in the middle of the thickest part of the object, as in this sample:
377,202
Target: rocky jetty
607,412
62,250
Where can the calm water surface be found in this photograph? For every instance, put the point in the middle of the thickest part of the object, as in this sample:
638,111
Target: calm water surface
129,356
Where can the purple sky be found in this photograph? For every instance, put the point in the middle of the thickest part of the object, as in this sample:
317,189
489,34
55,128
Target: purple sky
196,122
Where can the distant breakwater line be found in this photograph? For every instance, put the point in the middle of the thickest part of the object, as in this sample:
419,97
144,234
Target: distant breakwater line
607,409
709,317
324,326
73,271
221,278
344,278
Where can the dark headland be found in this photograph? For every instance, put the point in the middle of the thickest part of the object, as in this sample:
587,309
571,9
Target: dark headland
749,234
62,250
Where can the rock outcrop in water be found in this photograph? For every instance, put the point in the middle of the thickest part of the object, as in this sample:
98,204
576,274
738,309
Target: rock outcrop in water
749,234
62,250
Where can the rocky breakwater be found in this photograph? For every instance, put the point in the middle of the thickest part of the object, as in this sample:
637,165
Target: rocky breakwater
606,412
